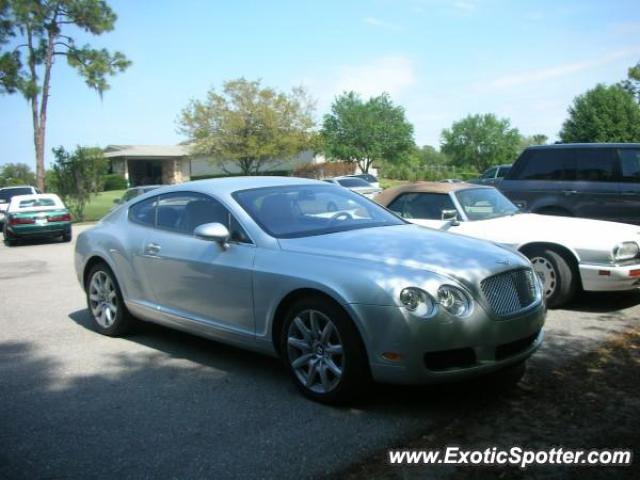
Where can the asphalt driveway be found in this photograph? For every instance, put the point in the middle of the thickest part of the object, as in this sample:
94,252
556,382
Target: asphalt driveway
162,404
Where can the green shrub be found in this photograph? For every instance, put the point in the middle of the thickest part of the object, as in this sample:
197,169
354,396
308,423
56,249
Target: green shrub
114,182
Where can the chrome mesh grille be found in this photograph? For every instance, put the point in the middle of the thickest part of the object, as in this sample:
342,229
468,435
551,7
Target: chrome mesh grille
510,292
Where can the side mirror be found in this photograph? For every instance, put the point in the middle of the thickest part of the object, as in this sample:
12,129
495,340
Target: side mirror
213,232
450,216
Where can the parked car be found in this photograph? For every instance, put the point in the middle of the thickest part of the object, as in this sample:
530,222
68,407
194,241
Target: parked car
133,192
357,185
492,175
7,193
36,216
367,177
596,180
264,264
566,253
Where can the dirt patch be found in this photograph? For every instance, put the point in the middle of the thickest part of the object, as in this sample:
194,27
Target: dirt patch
592,402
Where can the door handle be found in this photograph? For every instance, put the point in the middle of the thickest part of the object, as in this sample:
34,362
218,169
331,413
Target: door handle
152,249
569,192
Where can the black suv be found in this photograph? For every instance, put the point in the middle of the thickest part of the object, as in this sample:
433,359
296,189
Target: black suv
593,180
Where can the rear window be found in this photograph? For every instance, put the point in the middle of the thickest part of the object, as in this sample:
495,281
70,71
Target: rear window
39,202
427,206
630,165
548,164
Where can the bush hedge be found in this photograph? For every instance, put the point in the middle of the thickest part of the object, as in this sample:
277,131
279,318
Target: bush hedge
114,182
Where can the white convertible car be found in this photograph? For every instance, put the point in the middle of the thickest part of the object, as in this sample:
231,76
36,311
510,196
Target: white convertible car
566,253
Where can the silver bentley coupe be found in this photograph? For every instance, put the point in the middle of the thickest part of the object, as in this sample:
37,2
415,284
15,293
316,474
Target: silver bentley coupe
340,288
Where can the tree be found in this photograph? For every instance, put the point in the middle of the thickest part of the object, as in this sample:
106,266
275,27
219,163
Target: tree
479,141
78,176
16,174
249,126
366,132
35,28
537,139
603,114
632,83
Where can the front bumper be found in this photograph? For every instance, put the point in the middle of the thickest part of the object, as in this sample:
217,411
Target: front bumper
445,348
606,278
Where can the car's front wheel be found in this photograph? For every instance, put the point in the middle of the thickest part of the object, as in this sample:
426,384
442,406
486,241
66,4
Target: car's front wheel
323,351
104,299
557,275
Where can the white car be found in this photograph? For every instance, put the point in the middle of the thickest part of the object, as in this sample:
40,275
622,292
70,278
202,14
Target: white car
7,193
567,253
357,185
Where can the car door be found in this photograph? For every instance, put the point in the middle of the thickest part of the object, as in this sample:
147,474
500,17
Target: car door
629,185
196,278
595,192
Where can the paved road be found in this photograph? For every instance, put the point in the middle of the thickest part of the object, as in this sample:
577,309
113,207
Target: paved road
161,404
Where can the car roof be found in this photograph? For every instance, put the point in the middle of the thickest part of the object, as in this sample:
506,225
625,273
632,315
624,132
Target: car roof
228,185
584,145
17,186
425,187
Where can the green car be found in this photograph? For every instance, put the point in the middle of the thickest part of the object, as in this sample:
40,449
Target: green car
36,216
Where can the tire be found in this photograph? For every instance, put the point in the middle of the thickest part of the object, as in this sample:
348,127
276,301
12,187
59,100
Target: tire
557,272
102,302
67,236
317,348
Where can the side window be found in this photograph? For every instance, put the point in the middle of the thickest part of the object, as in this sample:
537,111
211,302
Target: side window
596,165
546,164
144,212
503,171
185,211
630,165
426,206
491,173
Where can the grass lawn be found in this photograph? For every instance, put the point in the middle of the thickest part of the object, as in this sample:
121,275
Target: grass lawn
100,205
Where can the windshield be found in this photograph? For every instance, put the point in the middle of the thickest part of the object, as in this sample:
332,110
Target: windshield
305,210
484,203
9,193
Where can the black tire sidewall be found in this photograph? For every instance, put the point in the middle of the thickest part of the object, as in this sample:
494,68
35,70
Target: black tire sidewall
355,376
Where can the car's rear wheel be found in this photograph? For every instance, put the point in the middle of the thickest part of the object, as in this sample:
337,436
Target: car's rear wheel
323,351
67,236
104,299
557,275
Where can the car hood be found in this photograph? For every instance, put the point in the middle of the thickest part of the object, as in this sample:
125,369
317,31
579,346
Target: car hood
466,259
579,233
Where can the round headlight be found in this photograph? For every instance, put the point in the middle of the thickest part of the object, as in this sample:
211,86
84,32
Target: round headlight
417,301
454,300
625,251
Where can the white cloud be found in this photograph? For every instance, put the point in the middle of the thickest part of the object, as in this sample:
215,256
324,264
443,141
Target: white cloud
376,22
534,76
465,6
392,74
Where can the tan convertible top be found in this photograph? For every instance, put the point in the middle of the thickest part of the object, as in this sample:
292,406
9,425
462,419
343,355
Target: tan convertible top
386,197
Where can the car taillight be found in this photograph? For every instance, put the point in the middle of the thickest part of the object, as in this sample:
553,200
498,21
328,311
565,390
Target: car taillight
60,218
21,221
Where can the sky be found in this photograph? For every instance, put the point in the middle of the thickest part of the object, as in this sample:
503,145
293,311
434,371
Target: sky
440,59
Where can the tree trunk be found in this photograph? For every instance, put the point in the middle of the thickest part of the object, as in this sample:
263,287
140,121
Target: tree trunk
39,144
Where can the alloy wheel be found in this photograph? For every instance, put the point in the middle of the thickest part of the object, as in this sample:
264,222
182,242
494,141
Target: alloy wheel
547,274
315,351
103,299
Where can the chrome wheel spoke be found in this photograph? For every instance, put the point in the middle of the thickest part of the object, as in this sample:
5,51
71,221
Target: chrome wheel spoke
315,351
299,343
302,360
